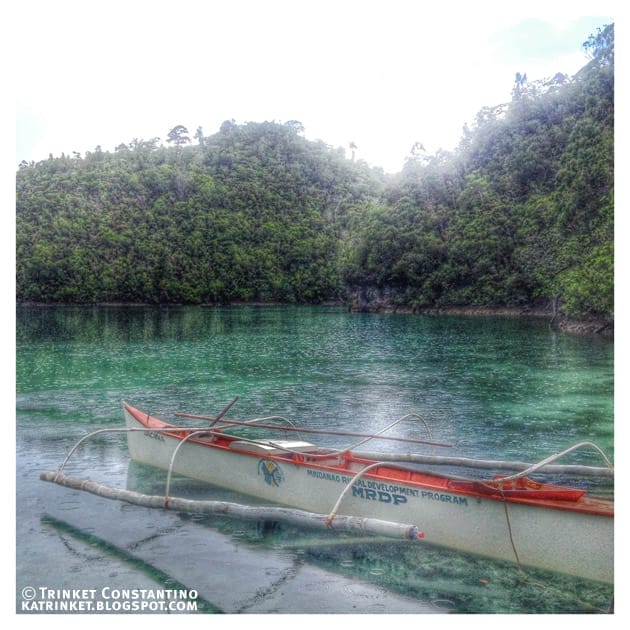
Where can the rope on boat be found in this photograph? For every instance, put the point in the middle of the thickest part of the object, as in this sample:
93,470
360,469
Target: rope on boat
292,516
510,534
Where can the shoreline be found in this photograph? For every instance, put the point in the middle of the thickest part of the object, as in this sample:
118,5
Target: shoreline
559,322
595,327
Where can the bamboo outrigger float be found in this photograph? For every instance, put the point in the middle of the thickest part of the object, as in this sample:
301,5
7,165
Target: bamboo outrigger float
511,518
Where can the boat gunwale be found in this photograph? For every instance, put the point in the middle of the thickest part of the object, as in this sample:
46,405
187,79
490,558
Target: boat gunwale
586,504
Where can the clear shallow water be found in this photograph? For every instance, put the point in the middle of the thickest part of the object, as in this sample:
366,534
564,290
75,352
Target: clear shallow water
496,388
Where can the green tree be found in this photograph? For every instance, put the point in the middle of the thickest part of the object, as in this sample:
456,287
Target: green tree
178,136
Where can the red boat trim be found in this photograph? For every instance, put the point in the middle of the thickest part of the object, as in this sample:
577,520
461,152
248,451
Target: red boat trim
526,492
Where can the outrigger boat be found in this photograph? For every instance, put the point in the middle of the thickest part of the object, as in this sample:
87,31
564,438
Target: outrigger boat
511,518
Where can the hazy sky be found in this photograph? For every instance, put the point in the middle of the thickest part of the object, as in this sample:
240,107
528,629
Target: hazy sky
381,74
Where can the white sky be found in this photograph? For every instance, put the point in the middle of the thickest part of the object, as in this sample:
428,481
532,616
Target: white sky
383,74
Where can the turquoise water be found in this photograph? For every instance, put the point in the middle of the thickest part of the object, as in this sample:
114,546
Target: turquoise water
491,387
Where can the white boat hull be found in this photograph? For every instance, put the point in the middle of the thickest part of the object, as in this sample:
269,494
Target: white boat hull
571,542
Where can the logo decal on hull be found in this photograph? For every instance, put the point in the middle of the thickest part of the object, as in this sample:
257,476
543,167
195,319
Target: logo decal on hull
271,471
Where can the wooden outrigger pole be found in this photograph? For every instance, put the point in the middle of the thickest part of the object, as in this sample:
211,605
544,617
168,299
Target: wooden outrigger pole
278,427
489,464
356,524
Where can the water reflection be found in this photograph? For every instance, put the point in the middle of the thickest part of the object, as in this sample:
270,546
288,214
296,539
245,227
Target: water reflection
74,538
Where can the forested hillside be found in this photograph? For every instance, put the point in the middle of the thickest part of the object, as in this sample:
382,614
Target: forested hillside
520,214
251,213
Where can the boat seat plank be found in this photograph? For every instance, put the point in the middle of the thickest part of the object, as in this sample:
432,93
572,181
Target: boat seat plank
273,447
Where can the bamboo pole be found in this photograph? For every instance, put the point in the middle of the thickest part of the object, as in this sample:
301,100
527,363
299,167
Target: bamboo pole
487,464
236,510
314,431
